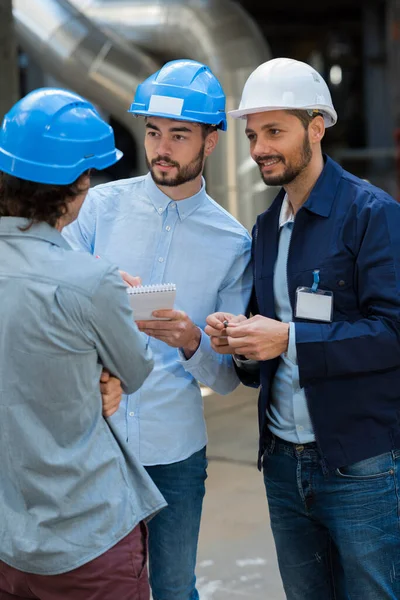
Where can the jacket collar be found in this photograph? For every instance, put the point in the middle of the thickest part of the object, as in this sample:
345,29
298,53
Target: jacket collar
322,195
11,226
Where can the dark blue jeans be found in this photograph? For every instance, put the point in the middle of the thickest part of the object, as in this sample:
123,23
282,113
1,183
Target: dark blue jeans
337,535
174,532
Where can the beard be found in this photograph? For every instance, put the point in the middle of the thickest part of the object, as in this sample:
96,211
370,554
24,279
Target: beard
185,173
291,170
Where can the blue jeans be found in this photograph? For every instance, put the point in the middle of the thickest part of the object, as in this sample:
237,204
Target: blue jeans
174,532
337,535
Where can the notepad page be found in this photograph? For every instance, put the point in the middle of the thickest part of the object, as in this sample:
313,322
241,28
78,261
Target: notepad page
147,298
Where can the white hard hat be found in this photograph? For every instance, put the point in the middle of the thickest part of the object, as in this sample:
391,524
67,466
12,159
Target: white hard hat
286,84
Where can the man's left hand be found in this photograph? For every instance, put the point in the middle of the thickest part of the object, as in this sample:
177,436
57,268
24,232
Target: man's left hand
179,331
111,393
259,338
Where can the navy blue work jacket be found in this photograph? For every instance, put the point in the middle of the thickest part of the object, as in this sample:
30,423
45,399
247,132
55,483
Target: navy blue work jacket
350,368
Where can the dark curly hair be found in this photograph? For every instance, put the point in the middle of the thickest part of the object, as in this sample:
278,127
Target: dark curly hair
38,202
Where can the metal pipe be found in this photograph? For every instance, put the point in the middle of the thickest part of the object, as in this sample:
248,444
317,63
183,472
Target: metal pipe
221,34
8,60
77,53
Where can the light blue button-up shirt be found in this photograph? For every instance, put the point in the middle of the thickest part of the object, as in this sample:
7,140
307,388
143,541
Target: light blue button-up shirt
288,413
197,245
67,492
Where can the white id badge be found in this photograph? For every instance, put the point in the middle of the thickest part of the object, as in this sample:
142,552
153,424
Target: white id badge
314,305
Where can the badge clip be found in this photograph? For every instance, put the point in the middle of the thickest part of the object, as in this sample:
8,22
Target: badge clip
316,281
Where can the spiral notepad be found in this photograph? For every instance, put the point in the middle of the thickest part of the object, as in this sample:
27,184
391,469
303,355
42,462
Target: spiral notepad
146,298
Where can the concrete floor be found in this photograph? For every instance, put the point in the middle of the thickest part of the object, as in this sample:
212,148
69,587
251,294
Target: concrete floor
236,551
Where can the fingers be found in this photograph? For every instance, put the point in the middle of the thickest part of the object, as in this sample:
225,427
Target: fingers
216,320
130,280
174,315
112,388
157,326
252,356
211,332
111,395
110,406
219,341
110,409
177,320
240,344
158,333
216,323
239,319
238,330
219,347
105,376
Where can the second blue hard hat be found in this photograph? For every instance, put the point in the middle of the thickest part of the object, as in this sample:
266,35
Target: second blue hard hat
53,136
183,90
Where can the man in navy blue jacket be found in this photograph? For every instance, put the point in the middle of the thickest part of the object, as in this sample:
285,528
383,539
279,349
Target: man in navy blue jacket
326,336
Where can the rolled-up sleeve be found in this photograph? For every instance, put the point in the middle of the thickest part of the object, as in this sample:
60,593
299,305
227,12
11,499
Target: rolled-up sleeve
210,368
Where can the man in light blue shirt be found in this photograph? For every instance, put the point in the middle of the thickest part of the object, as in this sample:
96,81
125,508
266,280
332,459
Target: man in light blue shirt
72,505
164,228
288,415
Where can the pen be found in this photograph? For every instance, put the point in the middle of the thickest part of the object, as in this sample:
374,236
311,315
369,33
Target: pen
225,324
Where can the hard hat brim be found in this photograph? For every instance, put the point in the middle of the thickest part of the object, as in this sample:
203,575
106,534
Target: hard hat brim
144,113
59,175
330,116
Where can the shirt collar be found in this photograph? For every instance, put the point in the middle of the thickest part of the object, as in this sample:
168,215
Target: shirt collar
286,215
11,226
322,195
161,201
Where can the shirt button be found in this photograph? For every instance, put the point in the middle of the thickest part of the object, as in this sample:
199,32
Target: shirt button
299,427
160,210
131,414
161,259
168,228
172,205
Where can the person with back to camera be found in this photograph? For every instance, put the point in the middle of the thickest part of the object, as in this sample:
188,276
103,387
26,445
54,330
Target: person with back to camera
72,503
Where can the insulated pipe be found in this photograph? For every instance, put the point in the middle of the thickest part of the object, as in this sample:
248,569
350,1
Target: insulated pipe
77,53
221,34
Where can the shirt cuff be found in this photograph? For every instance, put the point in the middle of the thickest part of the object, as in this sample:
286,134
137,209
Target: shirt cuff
292,350
248,364
203,350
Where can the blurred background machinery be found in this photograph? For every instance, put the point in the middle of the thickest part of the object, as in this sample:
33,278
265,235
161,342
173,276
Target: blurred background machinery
103,48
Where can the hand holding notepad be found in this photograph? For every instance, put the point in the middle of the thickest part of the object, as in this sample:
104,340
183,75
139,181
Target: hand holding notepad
144,299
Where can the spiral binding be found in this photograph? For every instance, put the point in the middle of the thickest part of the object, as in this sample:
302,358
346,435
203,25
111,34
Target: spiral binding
148,289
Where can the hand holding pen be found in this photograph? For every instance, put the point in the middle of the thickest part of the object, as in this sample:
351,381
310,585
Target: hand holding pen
217,324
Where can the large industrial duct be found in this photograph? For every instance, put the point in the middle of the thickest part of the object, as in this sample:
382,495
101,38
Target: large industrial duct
88,54
221,34
66,44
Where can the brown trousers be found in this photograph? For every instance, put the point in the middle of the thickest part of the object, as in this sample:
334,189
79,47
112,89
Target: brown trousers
118,574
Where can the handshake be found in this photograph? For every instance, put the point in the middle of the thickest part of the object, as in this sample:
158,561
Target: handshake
256,338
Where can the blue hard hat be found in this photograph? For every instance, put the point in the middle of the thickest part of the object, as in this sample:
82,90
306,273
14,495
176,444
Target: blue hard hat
183,90
53,136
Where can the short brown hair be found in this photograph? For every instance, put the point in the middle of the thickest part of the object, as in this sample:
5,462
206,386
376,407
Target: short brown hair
38,202
304,116
207,129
